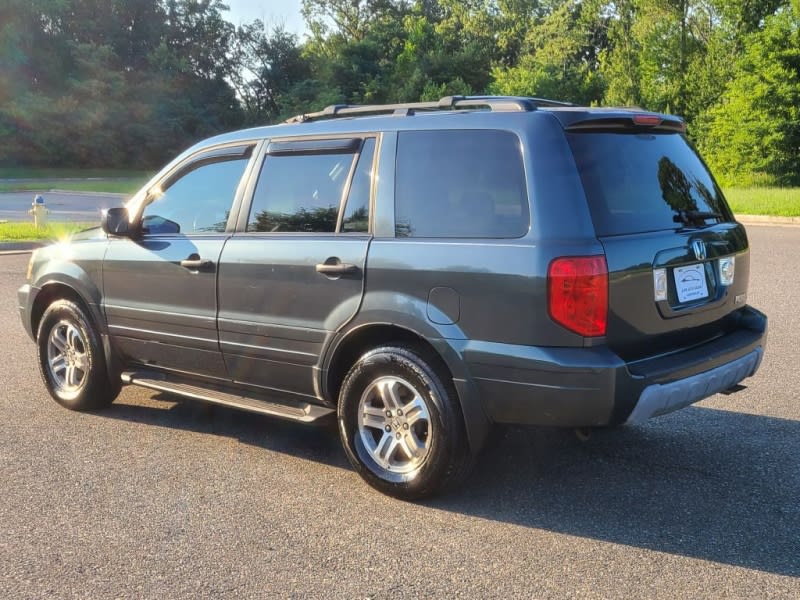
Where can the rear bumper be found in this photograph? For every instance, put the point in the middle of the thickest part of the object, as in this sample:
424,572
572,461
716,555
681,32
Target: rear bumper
584,387
660,399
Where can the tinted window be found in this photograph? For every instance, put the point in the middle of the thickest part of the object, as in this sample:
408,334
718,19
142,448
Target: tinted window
356,214
465,183
644,182
199,201
300,192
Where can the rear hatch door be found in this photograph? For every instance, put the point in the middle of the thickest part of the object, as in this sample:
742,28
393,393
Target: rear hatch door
668,236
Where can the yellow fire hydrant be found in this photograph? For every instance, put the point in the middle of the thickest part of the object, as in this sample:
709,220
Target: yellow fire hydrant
39,212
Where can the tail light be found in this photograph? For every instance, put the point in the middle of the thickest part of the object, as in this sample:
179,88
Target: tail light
647,120
577,294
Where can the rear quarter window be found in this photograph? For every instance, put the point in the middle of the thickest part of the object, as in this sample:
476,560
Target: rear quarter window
638,182
460,184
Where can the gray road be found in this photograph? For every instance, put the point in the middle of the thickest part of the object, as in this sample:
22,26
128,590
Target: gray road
159,498
63,206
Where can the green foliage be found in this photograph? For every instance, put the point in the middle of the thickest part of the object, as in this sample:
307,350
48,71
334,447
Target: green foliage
559,58
315,219
666,55
753,135
132,82
65,173
112,82
12,232
270,64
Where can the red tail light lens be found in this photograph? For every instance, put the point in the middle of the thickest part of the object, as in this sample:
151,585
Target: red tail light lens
577,294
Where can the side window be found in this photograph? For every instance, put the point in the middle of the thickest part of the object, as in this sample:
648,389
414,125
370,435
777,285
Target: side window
302,191
356,213
199,201
460,183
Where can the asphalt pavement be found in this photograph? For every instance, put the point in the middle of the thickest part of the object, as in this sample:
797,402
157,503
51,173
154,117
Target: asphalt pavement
162,498
81,207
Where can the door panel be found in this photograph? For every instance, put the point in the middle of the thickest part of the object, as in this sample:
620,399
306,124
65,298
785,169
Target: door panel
294,276
160,312
160,288
276,309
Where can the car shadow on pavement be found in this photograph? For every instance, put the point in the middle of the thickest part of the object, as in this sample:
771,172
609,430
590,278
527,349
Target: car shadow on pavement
701,483
318,442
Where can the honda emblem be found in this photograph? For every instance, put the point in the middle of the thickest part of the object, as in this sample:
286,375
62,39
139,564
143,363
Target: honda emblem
699,249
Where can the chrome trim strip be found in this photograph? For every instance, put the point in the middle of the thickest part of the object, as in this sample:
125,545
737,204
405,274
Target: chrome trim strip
161,312
266,348
163,333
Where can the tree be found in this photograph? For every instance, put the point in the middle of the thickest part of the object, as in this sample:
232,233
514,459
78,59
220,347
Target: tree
754,131
448,48
269,65
653,45
347,19
131,82
560,56
112,82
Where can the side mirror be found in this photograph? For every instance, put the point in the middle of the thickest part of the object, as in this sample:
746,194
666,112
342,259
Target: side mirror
115,222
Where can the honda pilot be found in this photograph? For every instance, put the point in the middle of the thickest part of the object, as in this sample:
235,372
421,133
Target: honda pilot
420,272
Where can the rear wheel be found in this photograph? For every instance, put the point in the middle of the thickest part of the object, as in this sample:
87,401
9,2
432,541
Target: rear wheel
401,424
71,359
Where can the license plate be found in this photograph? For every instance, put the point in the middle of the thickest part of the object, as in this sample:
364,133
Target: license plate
690,282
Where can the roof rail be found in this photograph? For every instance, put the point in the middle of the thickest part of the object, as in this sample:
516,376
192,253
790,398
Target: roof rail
493,103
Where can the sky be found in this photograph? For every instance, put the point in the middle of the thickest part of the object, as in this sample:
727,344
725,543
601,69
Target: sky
272,12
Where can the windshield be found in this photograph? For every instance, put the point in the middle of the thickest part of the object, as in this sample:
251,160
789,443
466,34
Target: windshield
637,182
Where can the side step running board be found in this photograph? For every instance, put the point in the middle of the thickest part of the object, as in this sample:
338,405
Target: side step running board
293,411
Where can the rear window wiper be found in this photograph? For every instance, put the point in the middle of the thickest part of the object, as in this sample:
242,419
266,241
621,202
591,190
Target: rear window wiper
688,217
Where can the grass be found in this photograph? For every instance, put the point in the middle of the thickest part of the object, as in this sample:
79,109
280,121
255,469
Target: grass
17,232
118,181
779,202
61,173
109,187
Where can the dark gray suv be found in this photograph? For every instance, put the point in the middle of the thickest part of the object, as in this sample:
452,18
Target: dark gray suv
423,271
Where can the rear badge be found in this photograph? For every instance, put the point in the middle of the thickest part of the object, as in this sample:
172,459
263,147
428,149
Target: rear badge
699,248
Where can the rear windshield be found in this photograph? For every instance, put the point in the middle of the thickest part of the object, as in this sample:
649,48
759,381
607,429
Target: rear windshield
637,182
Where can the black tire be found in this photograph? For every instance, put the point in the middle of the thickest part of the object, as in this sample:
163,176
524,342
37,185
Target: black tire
435,434
88,387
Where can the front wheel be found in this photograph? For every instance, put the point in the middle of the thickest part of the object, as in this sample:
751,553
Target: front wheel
71,359
401,424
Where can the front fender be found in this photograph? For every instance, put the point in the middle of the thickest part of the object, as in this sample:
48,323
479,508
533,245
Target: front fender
76,266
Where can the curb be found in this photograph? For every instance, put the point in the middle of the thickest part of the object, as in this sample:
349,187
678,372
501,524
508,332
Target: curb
37,179
11,248
768,220
71,193
77,193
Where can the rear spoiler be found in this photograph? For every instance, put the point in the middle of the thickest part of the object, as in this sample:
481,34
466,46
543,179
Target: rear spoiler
626,121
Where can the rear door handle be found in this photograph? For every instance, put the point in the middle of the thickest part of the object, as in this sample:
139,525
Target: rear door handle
336,268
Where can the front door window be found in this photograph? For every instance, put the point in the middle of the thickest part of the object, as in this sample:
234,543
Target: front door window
198,201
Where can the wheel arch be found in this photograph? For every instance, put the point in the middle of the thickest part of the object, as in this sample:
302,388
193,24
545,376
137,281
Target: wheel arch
66,289
347,347
54,290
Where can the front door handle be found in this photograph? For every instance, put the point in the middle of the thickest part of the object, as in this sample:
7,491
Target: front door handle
336,268
194,262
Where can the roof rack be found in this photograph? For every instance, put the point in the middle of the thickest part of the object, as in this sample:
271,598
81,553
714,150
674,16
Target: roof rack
493,103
